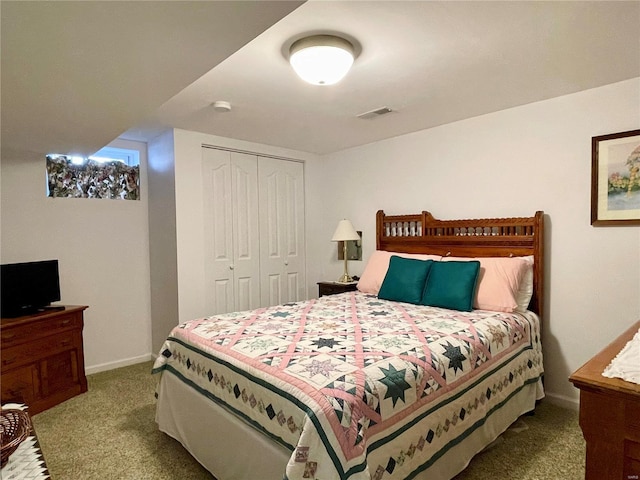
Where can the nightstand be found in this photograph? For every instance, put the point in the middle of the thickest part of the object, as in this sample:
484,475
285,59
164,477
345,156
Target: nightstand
331,288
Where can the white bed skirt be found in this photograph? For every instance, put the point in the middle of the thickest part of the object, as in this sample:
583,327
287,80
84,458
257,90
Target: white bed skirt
232,450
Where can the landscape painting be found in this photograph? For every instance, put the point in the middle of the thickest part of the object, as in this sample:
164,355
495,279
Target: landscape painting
615,185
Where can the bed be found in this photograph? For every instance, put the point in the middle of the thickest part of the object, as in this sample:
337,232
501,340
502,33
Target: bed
362,385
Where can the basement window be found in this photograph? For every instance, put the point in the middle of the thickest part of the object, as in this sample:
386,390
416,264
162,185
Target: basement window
110,173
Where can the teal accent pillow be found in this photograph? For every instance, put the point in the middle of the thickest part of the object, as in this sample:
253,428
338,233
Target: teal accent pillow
405,279
451,285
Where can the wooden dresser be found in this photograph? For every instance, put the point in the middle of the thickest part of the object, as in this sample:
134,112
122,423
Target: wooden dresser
42,358
609,416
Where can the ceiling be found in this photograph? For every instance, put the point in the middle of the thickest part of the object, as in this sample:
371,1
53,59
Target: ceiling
82,73
77,74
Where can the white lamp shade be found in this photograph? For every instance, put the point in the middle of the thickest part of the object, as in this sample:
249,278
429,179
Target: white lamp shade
345,231
321,59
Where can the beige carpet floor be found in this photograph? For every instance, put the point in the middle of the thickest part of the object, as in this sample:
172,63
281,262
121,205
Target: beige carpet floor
110,433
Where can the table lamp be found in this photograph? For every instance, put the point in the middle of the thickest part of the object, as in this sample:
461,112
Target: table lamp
343,233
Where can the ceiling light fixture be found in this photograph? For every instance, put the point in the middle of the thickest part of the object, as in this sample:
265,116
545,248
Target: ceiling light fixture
221,106
321,59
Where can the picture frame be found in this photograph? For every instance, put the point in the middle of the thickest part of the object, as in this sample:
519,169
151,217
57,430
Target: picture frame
615,179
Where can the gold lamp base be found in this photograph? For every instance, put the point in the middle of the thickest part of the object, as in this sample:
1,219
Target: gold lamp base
345,279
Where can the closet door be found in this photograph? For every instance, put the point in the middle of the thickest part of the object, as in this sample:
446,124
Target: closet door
246,241
232,265
282,256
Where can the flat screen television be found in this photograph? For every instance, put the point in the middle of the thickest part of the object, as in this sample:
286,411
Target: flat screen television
28,287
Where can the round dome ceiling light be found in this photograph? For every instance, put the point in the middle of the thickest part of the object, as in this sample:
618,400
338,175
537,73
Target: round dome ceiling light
321,59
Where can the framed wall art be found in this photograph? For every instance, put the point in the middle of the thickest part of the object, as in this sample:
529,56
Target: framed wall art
615,179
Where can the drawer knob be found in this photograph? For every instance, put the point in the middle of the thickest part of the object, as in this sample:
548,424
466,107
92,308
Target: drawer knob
66,321
8,361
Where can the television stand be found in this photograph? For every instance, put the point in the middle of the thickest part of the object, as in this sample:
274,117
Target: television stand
42,358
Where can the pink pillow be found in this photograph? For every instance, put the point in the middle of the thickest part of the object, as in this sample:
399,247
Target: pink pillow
499,282
377,267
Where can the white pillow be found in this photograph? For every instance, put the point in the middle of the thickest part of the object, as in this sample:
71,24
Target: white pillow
525,292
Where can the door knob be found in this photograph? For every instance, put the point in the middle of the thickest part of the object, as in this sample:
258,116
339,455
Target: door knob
230,267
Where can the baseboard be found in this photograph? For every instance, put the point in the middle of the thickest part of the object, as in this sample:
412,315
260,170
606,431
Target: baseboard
562,401
120,363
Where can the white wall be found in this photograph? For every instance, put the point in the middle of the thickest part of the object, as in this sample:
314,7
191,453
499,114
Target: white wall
103,253
509,163
162,239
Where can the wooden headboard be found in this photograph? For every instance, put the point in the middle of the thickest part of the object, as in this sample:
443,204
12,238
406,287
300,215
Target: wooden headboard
483,237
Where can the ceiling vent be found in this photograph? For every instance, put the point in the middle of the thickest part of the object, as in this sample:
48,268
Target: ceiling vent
375,113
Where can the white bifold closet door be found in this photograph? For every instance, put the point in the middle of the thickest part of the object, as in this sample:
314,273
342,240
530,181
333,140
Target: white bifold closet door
253,231
282,255
232,252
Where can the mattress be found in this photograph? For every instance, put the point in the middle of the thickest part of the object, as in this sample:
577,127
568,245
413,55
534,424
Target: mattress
356,387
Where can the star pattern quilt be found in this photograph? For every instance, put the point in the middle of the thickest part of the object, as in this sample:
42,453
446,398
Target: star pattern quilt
354,386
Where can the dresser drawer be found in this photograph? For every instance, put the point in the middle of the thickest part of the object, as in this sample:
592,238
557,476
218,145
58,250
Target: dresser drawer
632,449
632,414
19,355
17,334
21,385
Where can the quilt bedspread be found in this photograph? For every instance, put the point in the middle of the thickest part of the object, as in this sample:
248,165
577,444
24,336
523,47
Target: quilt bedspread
357,387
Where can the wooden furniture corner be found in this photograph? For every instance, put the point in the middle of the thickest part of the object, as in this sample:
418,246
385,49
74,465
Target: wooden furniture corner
42,358
609,416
